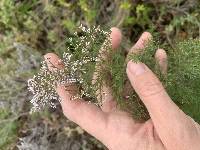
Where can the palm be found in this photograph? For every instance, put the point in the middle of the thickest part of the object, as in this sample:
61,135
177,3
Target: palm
126,131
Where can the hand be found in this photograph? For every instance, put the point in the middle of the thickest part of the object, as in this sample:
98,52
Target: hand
169,128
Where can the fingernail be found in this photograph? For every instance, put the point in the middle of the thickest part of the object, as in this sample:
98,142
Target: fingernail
47,58
136,68
53,62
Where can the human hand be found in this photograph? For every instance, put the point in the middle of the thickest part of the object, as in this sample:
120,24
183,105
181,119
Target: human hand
169,128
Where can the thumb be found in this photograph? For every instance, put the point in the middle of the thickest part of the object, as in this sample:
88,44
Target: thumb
169,121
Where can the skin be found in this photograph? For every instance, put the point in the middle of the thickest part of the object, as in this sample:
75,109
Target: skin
169,127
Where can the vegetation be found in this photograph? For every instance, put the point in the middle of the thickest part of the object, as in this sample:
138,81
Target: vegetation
29,29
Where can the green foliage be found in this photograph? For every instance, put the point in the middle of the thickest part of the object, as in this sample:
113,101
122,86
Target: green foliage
6,17
141,16
125,5
88,8
8,129
183,78
189,21
8,133
117,72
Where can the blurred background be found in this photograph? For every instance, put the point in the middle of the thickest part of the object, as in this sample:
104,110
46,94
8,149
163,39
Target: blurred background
31,28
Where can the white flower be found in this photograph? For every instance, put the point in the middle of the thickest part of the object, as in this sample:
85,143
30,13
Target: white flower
75,60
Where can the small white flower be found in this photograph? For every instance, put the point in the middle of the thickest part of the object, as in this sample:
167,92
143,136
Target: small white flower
43,84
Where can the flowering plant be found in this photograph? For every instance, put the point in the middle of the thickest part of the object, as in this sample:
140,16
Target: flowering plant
85,56
79,62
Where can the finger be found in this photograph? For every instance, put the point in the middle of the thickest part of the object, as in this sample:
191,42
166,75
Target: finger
168,119
137,48
104,95
84,114
161,59
108,103
141,43
116,37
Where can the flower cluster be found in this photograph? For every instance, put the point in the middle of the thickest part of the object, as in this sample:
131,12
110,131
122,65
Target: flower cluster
89,63
79,60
